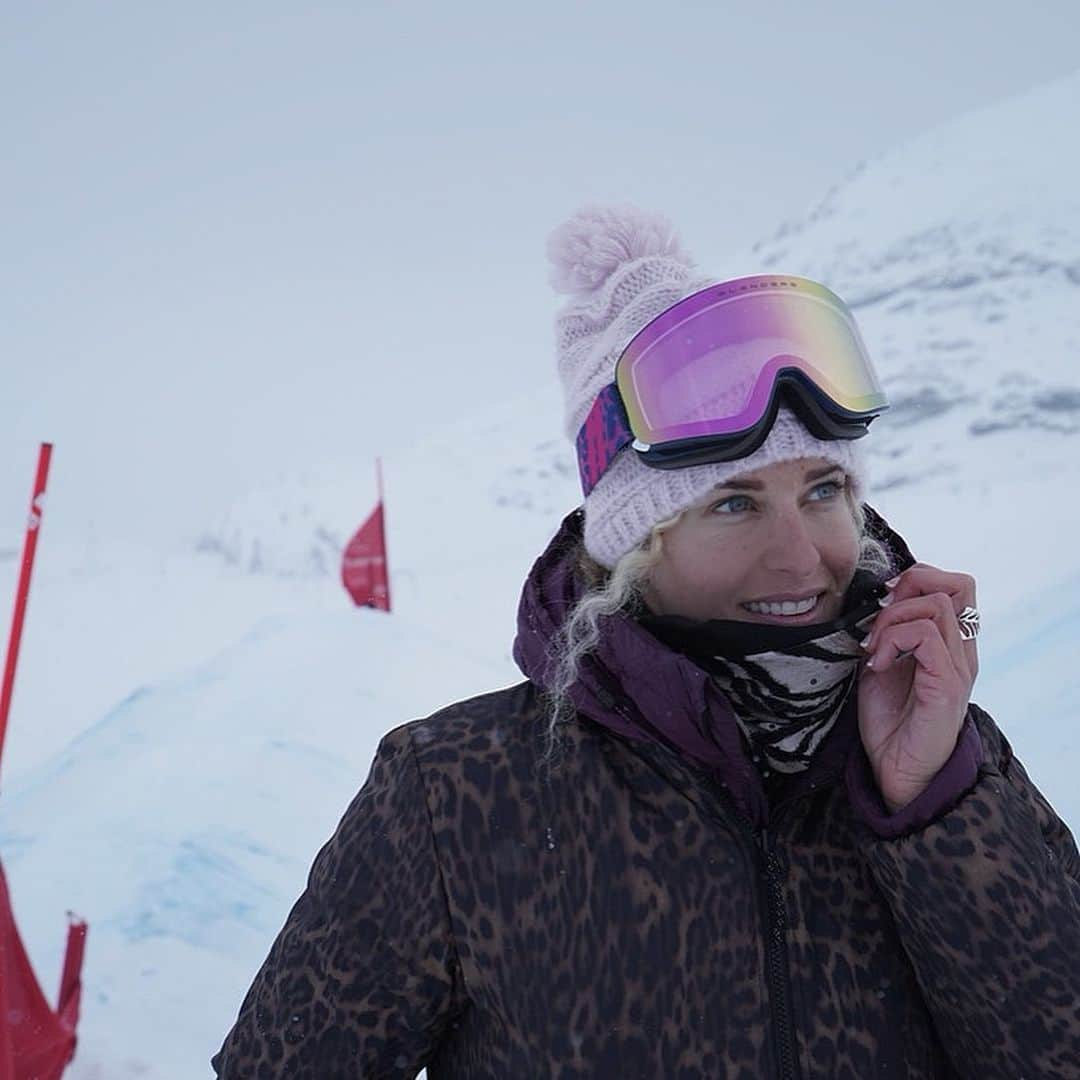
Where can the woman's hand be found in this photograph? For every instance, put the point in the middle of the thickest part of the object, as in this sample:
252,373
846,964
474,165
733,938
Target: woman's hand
916,682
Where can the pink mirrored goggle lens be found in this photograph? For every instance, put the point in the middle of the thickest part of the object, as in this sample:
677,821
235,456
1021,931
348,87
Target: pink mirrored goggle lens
708,365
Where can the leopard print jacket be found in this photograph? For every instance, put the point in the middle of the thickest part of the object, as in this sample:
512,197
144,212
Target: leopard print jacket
611,917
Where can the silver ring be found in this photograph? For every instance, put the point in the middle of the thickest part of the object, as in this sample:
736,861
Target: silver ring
969,623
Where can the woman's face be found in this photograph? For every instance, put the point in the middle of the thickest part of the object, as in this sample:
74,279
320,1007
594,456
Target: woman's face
783,533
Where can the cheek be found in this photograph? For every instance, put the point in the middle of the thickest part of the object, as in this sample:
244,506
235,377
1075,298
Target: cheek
843,552
693,577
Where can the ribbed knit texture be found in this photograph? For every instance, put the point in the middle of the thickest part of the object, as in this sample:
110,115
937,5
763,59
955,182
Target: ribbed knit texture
621,268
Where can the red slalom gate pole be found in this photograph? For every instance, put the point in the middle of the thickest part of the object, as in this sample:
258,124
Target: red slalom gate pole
33,528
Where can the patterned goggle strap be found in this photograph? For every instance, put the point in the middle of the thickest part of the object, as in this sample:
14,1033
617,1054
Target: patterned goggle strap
605,432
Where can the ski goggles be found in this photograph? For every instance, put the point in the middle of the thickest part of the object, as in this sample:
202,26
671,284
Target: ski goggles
703,381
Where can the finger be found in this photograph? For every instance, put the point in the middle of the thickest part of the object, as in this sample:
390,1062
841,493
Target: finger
921,641
923,579
939,608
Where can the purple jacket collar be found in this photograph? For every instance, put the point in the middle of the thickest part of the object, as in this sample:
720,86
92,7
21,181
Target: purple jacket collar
635,686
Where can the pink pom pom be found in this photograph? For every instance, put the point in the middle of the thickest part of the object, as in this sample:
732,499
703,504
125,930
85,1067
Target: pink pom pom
586,250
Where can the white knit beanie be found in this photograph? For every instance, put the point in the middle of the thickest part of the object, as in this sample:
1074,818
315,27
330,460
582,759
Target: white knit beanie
621,267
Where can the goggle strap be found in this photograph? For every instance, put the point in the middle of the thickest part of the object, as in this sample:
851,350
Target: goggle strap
605,432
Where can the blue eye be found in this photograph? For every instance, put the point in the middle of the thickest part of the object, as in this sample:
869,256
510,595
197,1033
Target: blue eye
731,499
836,485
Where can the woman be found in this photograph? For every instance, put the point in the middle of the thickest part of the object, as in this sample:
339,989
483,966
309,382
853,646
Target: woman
741,819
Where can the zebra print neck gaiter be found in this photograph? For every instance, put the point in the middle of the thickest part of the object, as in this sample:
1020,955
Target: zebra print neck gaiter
786,685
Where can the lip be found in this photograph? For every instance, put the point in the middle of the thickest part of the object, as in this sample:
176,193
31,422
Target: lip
786,620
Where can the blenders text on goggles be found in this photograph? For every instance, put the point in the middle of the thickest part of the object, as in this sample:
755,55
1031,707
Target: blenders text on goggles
703,381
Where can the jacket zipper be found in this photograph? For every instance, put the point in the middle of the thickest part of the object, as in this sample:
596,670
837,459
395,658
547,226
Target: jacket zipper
775,921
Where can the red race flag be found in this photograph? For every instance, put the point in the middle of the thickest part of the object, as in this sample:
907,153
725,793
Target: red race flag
36,1043
363,566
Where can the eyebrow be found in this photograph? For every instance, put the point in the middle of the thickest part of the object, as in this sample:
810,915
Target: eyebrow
757,485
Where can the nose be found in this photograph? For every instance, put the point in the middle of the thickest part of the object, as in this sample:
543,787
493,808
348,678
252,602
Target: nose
790,547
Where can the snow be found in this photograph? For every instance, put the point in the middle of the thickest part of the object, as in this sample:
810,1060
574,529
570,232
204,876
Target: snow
190,724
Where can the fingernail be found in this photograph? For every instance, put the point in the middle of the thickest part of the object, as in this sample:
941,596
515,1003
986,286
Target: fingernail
870,661
886,600
865,641
891,583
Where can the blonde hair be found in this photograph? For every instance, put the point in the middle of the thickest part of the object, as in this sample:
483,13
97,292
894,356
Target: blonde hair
621,591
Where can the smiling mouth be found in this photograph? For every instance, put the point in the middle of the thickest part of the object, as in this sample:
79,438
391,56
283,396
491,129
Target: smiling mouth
785,610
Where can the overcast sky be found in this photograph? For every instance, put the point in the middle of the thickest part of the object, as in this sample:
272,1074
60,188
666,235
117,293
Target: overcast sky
246,237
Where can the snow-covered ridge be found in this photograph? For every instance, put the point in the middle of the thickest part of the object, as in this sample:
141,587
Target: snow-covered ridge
961,254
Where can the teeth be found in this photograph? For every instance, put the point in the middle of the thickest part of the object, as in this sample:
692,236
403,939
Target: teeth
786,607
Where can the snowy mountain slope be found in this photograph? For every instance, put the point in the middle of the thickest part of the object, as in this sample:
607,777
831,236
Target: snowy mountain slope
183,823
104,620
961,255
1031,680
